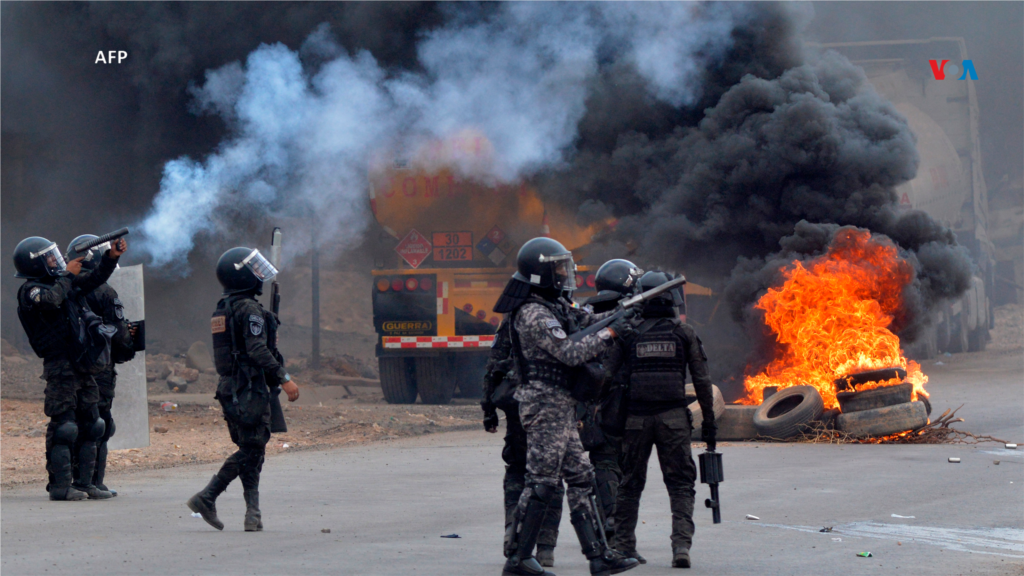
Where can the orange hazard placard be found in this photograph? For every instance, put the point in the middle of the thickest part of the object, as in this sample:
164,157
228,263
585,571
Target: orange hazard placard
453,253
446,239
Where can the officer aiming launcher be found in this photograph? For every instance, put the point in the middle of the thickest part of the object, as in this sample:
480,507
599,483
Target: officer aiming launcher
85,245
626,305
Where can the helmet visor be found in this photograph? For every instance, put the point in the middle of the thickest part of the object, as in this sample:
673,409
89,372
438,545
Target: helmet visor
52,260
563,270
260,266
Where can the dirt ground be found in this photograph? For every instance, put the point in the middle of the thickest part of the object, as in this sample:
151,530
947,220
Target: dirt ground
196,433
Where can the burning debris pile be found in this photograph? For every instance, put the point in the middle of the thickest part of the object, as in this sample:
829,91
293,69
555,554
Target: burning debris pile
832,317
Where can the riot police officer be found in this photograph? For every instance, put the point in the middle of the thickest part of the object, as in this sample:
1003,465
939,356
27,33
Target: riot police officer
546,357
71,396
500,379
600,427
656,360
105,302
249,364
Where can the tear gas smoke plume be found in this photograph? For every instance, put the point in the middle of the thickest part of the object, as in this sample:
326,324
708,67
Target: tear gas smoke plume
305,124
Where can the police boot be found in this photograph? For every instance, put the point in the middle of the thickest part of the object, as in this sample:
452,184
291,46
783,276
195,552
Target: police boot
523,533
545,555
680,557
60,468
86,468
604,561
204,501
253,518
101,469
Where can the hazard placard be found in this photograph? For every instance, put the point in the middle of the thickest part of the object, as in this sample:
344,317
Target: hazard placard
414,248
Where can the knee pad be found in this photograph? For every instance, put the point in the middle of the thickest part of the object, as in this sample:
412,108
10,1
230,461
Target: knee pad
66,433
96,429
543,492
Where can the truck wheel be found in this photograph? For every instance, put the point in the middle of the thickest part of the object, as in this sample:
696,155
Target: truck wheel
958,334
883,421
395,381
785,414
977,338
435,379
469,375
875,398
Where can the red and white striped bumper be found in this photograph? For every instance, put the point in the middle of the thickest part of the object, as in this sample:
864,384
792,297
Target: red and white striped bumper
438,341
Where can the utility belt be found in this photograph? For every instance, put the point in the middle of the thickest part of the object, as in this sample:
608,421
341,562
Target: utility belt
558,375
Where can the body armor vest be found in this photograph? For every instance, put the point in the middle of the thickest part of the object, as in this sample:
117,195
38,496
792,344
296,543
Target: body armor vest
47,330
223,326
551,372
657,364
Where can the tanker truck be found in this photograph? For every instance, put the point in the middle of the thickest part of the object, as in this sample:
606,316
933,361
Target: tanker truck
445,247
949,185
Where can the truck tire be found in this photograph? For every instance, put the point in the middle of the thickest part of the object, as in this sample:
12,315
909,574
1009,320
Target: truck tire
696,415
469,374
958,334
435,379
395,381
883,421
977,339
875,398
788,411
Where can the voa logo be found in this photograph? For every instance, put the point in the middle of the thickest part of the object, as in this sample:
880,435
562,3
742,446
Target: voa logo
939,70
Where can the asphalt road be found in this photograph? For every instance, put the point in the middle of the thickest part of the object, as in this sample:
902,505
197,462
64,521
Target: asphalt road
388,504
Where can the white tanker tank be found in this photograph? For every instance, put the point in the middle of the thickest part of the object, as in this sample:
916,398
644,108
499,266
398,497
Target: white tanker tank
949,186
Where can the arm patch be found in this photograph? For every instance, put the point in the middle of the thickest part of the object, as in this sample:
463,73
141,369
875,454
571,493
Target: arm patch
218,324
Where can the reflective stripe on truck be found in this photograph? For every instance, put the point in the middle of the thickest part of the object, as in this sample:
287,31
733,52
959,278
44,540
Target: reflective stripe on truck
438,341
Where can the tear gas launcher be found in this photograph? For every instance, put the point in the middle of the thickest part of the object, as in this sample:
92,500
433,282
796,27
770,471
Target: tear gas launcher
277,422
711,474
627,306
87,244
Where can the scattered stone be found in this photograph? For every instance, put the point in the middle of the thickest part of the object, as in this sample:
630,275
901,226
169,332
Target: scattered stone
160,430
325,530
198,356
157,371
37,433
189,374
176,382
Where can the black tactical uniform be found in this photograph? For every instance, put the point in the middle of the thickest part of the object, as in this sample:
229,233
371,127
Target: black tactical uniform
656,360
546,356
71,398
250,366
105,302
500,368
600,431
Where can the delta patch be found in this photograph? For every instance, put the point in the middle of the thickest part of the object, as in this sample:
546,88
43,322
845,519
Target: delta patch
256,324
656,350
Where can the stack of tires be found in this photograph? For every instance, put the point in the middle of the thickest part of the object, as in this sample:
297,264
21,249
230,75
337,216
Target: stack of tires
881,411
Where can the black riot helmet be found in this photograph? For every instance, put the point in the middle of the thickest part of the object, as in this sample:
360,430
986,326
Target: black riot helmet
656,278
91,257
619,276
545,263
244,269
36,257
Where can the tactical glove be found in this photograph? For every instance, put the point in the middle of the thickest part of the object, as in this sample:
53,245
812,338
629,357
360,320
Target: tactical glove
490,420
623,328
707,433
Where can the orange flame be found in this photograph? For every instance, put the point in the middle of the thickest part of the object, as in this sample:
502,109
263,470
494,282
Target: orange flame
831,318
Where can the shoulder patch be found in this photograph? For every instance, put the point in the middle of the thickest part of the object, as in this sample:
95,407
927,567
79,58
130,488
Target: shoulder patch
34,294
118,309
257,318
558,333
255,327
552,323
218,324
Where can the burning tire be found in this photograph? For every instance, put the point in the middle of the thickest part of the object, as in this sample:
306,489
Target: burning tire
875,398
696,415
435,379
883,421
785,414
395,382
871,376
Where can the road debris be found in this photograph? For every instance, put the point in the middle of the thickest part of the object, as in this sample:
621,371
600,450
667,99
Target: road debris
954,460
160,430
898,516
451,536
837,539
996,462
752,517
1011,446
325,530
825,529
865,554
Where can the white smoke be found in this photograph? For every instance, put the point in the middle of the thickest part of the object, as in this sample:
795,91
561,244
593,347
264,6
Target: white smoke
305,124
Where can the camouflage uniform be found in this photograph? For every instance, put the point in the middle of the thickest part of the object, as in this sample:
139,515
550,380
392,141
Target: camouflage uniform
548,412
499,367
